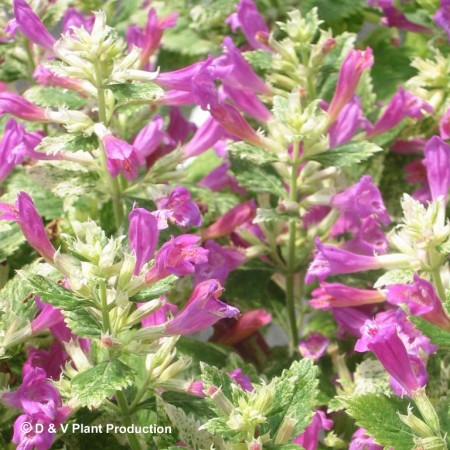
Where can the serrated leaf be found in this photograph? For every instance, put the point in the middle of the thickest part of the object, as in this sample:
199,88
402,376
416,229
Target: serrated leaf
82,323
54,294
397,276
378,414
155,290
347,154
11,238
259,59
371,377
212,376
136,93
51,145
332,10
93,386
269,215
437,335
54,97
248,152
203,351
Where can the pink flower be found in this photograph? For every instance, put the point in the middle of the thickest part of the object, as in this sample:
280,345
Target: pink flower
143,236
149,139
242,380
421,300
251,23
46,77
361,441
202,310
160,316
52,361
25,214
355,63
444,124
309,439
314,346
235,217
179,256
337,295
16,105
204,138
120,157
75,19
182,210
349,320
442,16
31,26
393,17
437,162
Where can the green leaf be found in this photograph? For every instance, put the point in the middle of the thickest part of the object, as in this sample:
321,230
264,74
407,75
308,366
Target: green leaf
347,154
207,352
54,97
269,215
332,10
93,386
378,415
257,178
155,290
51,145
11,238
437,335
259,59
82,323
212,376
54,294
397,276
247,152
136,93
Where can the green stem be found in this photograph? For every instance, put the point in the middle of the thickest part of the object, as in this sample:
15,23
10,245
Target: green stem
113,183
436,274
123,405
105,310
140,394
290,265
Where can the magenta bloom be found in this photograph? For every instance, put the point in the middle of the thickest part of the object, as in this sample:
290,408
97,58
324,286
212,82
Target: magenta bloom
202,310
48,317
120,157
52,361
241,379
355,63
309,439
16,105
204,138
31,26
386,344
251,23
314,346
143,236
234,70
331,260
75,19
179,257
221,261
46,77
15,145
361,441
444,125
245,326
160,316
219,179
406,147
348,121
149,139
437,163
176,98
235,217
403,104
349,320
248,102
25,214
182,210
369,239
393,17
337,295
362,200
442,16
421,300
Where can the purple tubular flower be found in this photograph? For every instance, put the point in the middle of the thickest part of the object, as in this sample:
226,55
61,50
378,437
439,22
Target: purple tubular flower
314,346
362,200
46,77
444,125
204,138
331,260
75,19
179,257
16,105
183,211
309,439
348,121
248,102
234,70
407,147
403,104
219,179
52,361
442,16
235,217
437,162
202,310
221,261
355,63
48,317
337,295
30,222
387,346
179,128
31,26
143,236
120,157
160,316
421,300
196,389
241,379
361,441
251,23
393,17
349,320
149,138
15,145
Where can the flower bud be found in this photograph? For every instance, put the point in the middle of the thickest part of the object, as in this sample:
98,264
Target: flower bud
220,400
285,431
